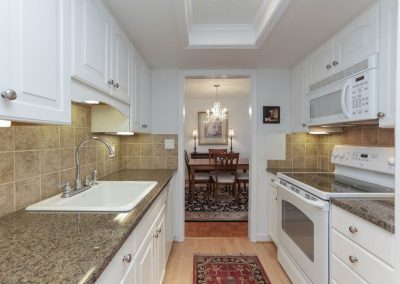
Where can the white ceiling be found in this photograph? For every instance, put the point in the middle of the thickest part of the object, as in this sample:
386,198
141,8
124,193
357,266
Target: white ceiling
156,31
225,12
199,88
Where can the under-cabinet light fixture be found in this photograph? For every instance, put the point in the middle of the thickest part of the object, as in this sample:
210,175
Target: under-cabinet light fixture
90,102
321,130
5,123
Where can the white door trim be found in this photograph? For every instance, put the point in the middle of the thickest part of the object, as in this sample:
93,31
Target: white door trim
180,198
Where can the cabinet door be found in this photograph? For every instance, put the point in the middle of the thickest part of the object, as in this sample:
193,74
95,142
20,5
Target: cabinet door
387,58
160,250
121,58
273,207
145,262
130,275
92,44
357,40
320,63
169,219
35,60
136,99
300,108
146,98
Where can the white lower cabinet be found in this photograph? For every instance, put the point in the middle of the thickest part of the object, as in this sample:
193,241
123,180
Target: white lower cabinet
143,256
273,209
361,251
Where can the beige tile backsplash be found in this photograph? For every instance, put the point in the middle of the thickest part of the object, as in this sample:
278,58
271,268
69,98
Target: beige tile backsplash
146,151
313,151
35,159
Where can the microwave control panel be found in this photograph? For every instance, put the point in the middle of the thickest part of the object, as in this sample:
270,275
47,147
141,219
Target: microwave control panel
359,94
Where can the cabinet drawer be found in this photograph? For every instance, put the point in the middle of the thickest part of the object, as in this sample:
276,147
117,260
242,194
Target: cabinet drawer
367,266
342,274
374,239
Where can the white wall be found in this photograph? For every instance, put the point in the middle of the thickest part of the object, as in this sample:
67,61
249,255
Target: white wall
238,112
273,88
164,112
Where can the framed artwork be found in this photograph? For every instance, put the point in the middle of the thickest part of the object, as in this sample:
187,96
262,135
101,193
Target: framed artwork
271,114
212,133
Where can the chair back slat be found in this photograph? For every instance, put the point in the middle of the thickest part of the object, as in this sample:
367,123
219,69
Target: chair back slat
226,163
187,163
212,152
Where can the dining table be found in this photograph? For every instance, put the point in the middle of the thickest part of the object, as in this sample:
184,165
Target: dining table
207,165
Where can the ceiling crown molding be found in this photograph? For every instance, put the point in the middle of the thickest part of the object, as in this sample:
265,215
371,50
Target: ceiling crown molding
231,36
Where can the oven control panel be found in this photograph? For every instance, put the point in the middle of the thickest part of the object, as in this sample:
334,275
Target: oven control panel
377,159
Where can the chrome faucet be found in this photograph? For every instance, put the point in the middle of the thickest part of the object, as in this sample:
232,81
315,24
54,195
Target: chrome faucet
78,171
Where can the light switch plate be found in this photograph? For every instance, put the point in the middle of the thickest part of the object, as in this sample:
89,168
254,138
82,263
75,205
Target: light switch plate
169,143
113,148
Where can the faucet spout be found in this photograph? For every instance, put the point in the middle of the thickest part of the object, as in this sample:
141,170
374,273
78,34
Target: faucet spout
78,170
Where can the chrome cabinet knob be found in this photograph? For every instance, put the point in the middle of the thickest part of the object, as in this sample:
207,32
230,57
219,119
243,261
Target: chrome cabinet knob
116,85
353,230
335,63
353,259
303,124
127,258
380,114
328,66
111,82
9,94
158,231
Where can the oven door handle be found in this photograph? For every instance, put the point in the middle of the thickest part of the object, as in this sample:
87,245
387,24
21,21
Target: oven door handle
319,204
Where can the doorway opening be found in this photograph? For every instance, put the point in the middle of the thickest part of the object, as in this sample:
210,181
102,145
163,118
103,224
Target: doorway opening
212,208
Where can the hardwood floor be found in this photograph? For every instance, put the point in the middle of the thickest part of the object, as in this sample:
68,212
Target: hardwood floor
216,229
180,263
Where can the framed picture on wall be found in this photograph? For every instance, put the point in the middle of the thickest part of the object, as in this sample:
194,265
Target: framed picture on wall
271,114
212,132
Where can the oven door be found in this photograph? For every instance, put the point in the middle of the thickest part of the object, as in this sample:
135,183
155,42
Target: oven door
303,226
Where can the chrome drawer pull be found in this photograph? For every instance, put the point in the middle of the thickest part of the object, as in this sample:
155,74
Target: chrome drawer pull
127,258
353,259
353,230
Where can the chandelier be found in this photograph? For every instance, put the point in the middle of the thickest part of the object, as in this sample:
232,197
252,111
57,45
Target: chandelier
217,113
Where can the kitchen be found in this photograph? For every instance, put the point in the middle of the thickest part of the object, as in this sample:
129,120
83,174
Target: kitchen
101,51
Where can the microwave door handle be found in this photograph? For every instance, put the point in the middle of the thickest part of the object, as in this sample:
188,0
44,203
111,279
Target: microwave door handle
318,204
343,99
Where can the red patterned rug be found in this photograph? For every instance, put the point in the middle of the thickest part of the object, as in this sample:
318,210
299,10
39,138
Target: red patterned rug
228,269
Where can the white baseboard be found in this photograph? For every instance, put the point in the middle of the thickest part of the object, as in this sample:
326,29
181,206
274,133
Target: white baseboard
263,237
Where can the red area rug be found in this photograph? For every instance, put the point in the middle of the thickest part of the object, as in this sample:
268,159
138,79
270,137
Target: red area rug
228,269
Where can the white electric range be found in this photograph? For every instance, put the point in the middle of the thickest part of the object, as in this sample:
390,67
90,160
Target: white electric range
304,208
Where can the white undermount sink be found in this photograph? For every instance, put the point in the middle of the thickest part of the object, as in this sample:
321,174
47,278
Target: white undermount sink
107,196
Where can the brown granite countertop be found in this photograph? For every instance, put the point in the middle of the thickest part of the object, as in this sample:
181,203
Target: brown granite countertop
378,212
292,170
55,247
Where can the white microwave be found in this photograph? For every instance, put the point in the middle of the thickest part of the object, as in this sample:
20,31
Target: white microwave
348,96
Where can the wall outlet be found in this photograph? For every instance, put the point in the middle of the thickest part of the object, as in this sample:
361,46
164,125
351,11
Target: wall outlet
113,148
169,143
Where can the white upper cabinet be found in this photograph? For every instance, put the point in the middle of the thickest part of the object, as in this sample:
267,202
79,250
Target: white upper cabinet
355,42
387,74
141,97
298,92
320,63
91,31
35,61
121,71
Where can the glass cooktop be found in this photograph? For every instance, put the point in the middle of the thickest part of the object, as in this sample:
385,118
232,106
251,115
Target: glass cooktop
334,183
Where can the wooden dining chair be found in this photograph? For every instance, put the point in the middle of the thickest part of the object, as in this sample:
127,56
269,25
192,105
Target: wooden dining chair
197,178
212,152
242,178
224,175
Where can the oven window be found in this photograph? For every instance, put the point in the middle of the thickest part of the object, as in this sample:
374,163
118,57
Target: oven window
299,228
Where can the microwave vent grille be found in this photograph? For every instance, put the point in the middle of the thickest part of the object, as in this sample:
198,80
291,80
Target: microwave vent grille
363,65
